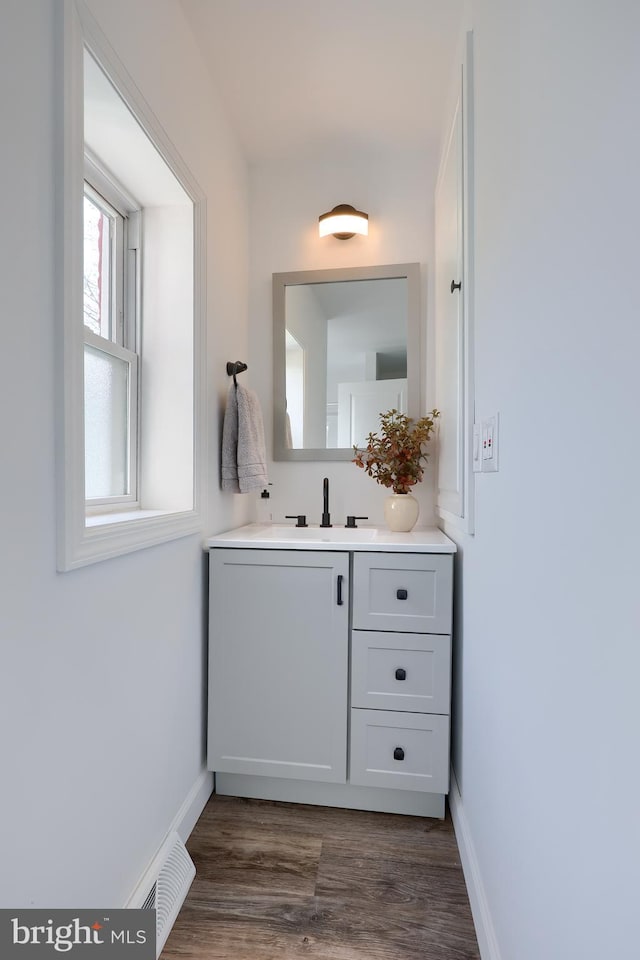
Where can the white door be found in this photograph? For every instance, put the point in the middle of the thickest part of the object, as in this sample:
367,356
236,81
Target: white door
278,663
360,405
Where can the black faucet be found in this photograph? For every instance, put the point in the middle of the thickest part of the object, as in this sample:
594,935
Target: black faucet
351,522
299,517
326,516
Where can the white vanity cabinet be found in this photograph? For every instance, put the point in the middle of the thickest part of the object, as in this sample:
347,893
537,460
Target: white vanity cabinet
278,663
330,668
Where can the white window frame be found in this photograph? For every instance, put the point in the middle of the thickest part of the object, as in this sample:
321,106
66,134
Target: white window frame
82,539
94,505
124,256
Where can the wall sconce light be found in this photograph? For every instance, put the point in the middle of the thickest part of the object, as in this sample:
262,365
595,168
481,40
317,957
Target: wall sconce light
344,221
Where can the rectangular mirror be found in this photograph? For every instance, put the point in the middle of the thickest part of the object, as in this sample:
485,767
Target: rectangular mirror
346,348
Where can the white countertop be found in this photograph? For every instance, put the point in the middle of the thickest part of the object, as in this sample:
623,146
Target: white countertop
277,536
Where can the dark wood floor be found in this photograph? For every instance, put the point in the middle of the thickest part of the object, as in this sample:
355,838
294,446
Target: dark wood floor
278,881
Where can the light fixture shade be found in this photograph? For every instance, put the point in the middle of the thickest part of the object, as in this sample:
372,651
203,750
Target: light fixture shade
344,221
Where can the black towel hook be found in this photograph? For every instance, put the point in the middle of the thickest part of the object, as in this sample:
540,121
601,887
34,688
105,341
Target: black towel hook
234,368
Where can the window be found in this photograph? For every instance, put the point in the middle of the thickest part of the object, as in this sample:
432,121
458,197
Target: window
110,358
132,306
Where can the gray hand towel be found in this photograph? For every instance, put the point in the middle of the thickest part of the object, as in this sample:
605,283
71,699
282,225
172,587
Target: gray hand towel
230,444
244,459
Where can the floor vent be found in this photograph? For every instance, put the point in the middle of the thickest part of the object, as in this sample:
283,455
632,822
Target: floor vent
165,886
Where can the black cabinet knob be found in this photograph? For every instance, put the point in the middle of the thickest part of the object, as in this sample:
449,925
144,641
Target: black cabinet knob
455,286
402,594
401,674
398,753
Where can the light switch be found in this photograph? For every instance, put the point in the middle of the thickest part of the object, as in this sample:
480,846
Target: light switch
490,444
487,440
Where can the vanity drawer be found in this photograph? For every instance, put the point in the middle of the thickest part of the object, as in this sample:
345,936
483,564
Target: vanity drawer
402,591
395,671
404,751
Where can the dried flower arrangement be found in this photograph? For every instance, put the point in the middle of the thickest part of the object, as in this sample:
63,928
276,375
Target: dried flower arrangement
396,457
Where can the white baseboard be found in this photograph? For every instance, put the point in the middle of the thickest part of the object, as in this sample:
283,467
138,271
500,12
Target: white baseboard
188,814
487,942
195,802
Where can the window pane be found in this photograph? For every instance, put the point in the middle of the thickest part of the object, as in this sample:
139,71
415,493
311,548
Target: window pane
97,269
106,424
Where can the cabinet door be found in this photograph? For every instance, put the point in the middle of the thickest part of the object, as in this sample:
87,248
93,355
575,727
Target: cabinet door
453,327
450,322
278,663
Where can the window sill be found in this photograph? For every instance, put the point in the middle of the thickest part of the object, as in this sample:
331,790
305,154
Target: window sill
122,516
107,535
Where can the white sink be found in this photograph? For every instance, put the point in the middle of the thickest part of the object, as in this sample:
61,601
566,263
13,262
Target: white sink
281,536
276,531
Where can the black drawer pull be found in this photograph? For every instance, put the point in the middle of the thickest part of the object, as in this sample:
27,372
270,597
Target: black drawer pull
401,674
398,753
401,594
340,600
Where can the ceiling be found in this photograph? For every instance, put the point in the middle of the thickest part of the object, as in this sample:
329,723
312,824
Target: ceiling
304,79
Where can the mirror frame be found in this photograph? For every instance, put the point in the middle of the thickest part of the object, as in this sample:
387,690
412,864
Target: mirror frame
408,271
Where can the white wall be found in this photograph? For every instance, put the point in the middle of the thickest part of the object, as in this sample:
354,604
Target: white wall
396,190
102,675
548,659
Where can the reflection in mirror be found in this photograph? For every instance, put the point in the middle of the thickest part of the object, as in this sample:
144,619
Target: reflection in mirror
345,350
295,392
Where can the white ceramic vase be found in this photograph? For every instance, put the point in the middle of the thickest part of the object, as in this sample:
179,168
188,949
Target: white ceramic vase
401,512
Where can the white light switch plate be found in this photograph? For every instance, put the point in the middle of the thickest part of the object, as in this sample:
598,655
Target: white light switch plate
490,444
